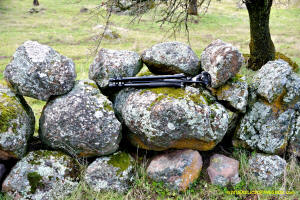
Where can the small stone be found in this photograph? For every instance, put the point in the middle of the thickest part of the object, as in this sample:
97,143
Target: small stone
223,170
16,124
42,175
110,173
171,58
177,169
114,63
222,61
81,122
267,168
39,72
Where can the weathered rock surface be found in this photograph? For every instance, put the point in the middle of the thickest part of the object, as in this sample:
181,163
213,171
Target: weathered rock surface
177,169
114,63
294,146
235,93
110,173
163,118
222,61
171,58
43,175
16,124
267,168
39,72
223,170
81,122
271,120
131,7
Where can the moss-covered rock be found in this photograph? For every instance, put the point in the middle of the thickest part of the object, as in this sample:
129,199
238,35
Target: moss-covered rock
42,175
111,173
16,124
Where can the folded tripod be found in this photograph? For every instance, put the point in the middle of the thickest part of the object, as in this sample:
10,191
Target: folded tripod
176,80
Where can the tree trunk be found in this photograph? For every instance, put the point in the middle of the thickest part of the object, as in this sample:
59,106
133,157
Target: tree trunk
36,2
193,7
261,46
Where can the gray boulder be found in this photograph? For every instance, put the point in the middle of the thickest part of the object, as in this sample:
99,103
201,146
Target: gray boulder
163,118
110,173
39,72
222,61
267,168
177,169
294,145
16,124
171,58
81,122
42,175
114,63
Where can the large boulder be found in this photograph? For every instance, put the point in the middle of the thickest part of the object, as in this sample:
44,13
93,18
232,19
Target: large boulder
171,58
163,118
222,61
294,145
177,169
42,175
223,170
267,168
110,173
114,63
39,72
270,122
81,122
16,124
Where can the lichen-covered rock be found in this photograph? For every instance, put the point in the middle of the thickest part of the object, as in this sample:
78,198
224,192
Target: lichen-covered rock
42,175
222,61
131,7
177,169
39,72
235,93
271,121
16,124
163,118
294,145
81,122
223,170
267,168
114,63
110,173
171,58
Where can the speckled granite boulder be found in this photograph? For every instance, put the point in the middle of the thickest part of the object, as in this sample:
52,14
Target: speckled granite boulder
39,72
16,124
171,58
81,122
110,173
163,118
270,122
42,175
294,145
222,61
234,93
223,170
114,63
177,169
267,168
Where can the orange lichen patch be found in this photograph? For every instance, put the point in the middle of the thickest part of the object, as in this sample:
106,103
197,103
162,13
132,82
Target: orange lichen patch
277,105
5,155
139,143
191,173
282,149
240,144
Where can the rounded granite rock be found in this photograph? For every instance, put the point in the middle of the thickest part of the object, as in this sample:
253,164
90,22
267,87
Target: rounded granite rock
163,118
222,61
39,72
81,122
171,58
42,175
16,124
114,63
110,173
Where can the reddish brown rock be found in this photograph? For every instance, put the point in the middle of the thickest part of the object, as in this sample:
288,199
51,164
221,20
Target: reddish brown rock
223,170
177,169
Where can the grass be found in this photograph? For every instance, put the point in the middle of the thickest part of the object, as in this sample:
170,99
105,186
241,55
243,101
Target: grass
64,28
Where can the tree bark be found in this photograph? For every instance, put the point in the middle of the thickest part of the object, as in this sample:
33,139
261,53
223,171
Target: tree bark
261,46
36,2
193,8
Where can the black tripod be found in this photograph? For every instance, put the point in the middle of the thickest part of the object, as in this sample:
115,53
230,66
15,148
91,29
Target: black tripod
176,80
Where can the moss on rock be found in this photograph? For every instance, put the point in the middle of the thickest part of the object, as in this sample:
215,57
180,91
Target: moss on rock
8,111
35,181
120,160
